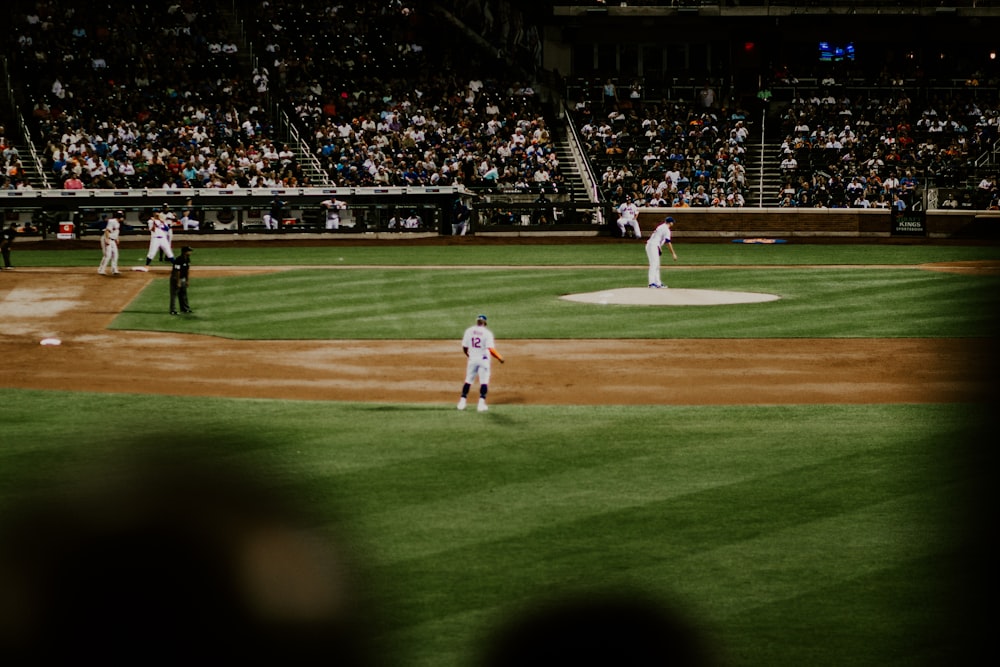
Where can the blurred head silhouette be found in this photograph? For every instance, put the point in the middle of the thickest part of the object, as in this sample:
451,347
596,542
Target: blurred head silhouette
617,628
165,560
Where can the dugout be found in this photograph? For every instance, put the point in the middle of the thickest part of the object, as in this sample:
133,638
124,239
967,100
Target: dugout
240,211
377,212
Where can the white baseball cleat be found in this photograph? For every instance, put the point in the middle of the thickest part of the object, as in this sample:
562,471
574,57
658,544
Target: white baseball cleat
482,405
461,403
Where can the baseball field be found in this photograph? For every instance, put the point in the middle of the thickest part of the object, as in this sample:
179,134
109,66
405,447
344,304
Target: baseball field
798,480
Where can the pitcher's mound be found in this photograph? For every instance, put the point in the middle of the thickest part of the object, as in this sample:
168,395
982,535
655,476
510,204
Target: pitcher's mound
649,296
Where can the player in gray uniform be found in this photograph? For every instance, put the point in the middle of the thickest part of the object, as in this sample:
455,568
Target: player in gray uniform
109,244
479,346
654,248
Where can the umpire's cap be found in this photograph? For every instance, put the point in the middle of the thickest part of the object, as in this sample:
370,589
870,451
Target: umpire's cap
187,248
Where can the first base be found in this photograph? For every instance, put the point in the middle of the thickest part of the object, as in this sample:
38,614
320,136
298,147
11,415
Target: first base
51,341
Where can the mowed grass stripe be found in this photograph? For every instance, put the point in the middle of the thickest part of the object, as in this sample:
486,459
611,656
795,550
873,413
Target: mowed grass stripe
499,253
700,505
635,524
434,304
554,487
819,561
879,618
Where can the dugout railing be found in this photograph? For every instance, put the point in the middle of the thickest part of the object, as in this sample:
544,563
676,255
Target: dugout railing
393,210
372,211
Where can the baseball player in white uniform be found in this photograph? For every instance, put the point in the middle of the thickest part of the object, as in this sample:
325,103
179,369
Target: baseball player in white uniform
333,207
654,248
109,244
159,237
628,216
480,348
188,221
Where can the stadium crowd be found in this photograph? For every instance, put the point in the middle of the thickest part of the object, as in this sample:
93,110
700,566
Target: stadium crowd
391,107
864,151
133,95
667,153
379,102
840,147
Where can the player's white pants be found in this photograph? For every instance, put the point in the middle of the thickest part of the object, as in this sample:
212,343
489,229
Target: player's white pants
110,257
333,223
157,243
270,222
630,222
459,228
480,367
189,223
653,253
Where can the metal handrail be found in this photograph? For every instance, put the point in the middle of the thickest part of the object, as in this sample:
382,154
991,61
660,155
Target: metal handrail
306,150
23,125
583,164
285,123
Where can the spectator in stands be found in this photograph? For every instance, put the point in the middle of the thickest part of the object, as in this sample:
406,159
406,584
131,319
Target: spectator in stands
898,204
700,198
789,165
610,94
706,96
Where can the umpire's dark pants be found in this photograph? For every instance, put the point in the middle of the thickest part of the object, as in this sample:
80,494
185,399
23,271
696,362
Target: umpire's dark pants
179,293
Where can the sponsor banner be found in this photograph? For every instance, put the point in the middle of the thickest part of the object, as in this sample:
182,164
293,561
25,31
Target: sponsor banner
909,223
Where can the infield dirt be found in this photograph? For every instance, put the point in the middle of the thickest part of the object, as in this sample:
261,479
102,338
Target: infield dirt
76,306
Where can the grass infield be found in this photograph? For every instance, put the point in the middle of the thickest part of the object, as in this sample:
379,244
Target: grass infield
415,303
400,297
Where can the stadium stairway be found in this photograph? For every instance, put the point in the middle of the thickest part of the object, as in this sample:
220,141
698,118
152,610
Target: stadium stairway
575,186
287,132
763,173
32,173
31,170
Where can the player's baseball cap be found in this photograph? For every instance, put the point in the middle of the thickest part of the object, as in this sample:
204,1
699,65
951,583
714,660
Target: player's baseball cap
481,317
668,219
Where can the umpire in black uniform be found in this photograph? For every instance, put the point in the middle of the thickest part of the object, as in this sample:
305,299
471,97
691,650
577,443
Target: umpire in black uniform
7,237
179,281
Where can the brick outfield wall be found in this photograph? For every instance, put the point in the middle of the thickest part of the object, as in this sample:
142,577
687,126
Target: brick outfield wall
848,223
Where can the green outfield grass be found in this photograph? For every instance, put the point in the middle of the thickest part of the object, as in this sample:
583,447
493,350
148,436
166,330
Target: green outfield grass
790,535
624,253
